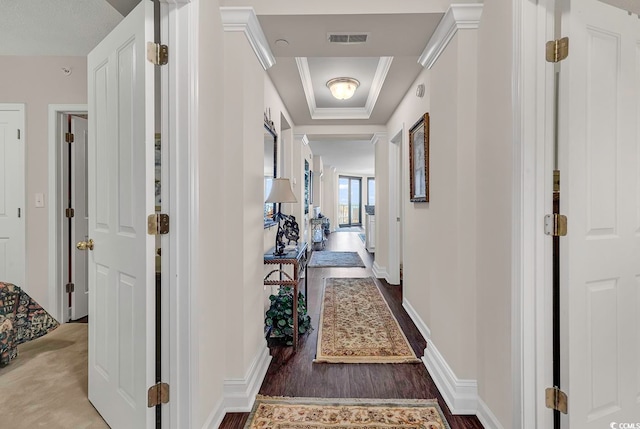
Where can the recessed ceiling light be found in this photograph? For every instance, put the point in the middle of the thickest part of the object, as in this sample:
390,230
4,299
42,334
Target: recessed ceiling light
343,88
282,43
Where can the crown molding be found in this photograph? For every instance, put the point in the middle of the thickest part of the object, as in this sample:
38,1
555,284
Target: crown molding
457,17
244,19
384,64
377,137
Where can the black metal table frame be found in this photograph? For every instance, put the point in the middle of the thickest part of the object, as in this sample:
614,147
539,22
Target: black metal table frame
298,259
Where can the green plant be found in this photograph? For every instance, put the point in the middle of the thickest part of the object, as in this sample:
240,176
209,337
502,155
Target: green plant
279,317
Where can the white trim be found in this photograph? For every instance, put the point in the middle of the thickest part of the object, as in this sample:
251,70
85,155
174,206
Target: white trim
215,418
56,304
239,394
486,416
384,64
417,320
457,17
460,395
393,207
378,271
179,95
531,27
244,19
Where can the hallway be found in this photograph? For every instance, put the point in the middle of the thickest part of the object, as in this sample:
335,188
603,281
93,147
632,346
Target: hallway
295,375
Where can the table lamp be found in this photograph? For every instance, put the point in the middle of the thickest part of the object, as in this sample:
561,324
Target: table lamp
281,193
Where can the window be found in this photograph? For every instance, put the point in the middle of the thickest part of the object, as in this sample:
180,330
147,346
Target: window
371,191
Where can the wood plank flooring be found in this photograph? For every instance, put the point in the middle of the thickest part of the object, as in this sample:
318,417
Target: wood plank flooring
294,374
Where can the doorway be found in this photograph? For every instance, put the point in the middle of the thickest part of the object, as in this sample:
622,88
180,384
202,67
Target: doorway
349,201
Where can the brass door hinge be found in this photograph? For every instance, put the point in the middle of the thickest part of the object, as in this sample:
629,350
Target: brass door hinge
555,225
158,224
69,212
69,137
557,50
70,287
158,394
556,399
157,54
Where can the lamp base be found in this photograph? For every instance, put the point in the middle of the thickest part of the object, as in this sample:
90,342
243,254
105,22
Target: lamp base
289,229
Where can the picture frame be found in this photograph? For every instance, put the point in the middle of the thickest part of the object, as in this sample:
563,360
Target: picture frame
419,160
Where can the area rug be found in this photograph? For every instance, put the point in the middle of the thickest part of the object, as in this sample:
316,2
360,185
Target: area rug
326,258
320,413
357,326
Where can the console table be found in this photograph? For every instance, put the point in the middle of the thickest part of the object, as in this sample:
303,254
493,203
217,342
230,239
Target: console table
298,259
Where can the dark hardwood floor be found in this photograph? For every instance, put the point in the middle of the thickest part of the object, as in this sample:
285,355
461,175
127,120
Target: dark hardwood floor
294,374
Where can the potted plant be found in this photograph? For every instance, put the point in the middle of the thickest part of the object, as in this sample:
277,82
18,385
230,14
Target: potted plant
279,317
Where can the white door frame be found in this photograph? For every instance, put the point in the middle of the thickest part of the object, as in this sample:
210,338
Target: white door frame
179,257
56,281
532,186
395,211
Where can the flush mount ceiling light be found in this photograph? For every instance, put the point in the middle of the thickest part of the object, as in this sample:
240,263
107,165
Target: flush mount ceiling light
343,88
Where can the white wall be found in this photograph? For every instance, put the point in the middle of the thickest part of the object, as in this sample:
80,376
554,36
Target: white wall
243,202
210,295
38,82
494,209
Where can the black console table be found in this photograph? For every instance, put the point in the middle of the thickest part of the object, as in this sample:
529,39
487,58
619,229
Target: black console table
298,259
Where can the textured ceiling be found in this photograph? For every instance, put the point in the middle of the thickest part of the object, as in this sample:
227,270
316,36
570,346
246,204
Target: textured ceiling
54,27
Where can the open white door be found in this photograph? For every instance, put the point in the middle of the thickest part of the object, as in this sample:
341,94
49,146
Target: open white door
121,195
80,220
600,183
12,179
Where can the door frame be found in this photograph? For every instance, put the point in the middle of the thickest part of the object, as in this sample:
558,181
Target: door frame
532,90
56,240
395,210
179,112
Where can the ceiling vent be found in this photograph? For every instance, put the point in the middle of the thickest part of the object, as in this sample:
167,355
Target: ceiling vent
346,38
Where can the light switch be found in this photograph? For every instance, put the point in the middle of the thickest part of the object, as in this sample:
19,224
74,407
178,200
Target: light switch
39,200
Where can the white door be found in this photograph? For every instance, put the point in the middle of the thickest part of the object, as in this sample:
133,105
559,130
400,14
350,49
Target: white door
121,195
600,194
80,220
12,195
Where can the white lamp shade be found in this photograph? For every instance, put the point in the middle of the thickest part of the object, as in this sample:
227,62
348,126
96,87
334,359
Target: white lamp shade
281,192
343,88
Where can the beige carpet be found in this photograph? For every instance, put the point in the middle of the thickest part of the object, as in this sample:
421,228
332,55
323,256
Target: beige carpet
46,385
319,413
357,326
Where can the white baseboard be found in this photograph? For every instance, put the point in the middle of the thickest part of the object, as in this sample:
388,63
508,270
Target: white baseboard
422,327
215,418
379,272
238,395
460,395
486,416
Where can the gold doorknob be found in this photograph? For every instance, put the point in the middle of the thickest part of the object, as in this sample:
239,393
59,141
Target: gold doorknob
84,245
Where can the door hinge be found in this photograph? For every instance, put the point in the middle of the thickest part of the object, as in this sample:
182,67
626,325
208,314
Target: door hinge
158,224
68,137
556,399
69,212
157,54
158,394
555,225
70,287
557,50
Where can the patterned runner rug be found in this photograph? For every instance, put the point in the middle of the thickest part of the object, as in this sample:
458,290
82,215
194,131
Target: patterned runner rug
357,326
325,258
320,413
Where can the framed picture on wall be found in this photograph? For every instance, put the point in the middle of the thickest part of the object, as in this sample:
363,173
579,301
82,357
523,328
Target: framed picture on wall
419,160
307,186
